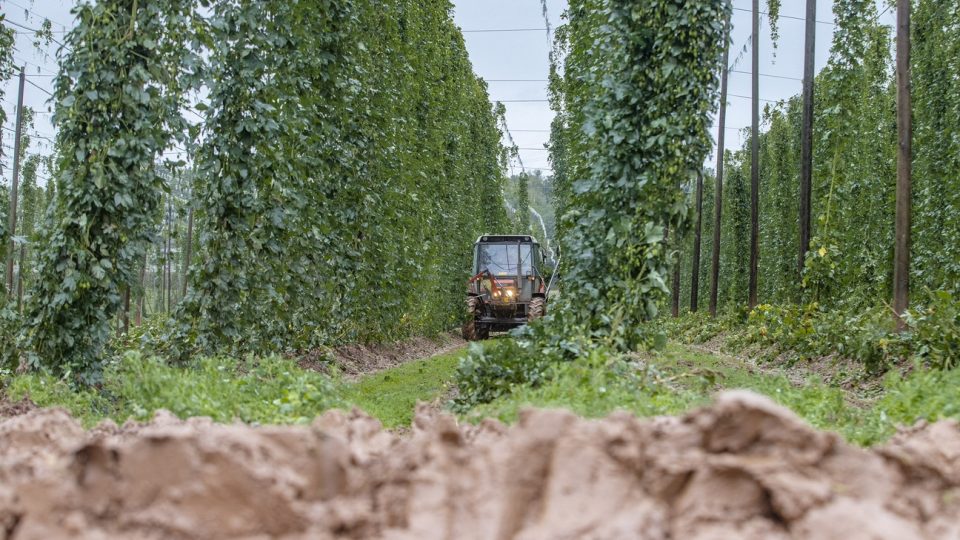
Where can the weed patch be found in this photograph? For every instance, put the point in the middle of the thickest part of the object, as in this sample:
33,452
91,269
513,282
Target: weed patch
392,395
679,379
256,390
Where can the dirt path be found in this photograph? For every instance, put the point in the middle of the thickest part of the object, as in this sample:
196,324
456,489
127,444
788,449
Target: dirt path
353,361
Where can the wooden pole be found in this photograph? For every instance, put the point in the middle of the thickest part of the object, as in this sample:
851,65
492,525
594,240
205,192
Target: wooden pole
15,185
755,160
697,232
20,267
675,285
718,187
162,262
168,266
806,134
675,305
188,253
126,309
901,252
143,289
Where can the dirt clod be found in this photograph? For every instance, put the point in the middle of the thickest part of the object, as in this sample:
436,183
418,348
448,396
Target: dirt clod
740,468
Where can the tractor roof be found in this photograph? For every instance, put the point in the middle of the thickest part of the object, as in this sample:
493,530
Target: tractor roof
506,238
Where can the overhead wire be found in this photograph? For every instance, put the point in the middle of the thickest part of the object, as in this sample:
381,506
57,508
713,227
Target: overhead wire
53,39
34,33
194,112
882,13
748,97
36,65
767,75
38,87
492,30
25,8
782,16
547,100
482,30
795,18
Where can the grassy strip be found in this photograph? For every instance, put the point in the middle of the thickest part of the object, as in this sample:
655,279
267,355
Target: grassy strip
266,390
275,390
270,390
681,378
391,395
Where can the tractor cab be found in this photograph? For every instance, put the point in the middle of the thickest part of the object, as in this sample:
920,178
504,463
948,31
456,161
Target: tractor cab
509,286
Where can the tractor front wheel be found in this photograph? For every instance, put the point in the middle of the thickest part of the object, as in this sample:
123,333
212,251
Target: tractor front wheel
473,331
536,309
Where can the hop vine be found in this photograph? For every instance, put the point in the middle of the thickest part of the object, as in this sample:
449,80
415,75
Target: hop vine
773,16
107,197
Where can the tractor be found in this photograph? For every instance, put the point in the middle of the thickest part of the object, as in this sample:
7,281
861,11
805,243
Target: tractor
509,287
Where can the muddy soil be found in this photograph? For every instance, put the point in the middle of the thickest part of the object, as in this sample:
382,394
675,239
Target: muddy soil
14,408
356,360
740,468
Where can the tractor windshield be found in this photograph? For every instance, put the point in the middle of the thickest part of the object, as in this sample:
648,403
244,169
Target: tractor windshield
502,259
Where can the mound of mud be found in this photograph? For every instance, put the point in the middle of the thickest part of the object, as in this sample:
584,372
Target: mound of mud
741,468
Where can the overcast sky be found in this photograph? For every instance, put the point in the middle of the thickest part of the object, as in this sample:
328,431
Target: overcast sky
502,58
523,55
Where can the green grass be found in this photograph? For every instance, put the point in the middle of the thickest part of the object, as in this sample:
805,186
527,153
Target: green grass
256,390
266,390
270,390
391,395
680,379
669,383
275,390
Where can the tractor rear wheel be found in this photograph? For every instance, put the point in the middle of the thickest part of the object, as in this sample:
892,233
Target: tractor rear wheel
472,331
536,309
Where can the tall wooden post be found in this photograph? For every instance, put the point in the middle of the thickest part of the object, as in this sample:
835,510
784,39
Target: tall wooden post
15,185
901,252
675,305
755,160
125,316
718,187
168,275
161,271
143,288
806,135
20,267
188,253
697,232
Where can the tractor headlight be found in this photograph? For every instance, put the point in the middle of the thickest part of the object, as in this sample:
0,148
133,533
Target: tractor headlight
509,293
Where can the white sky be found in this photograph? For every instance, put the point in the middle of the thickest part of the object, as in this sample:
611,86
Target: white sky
496,56
523,55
